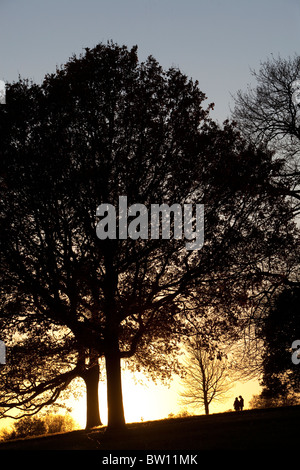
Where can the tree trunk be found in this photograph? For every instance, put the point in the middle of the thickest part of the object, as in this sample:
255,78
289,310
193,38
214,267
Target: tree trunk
91,378
205,397
116,418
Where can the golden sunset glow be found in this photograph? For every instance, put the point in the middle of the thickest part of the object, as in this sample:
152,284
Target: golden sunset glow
147,401
150,228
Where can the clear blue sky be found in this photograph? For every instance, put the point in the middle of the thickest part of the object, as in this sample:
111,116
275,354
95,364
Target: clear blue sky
213,41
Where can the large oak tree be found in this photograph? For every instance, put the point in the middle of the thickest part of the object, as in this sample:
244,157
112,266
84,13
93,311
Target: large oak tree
103,126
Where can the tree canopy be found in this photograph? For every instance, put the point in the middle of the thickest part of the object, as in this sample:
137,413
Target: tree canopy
104,126
279,329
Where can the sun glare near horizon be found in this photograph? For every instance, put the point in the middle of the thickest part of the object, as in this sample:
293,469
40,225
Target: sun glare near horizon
148,401
142,401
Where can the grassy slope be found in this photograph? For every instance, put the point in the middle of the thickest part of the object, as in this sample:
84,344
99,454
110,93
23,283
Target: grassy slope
270,429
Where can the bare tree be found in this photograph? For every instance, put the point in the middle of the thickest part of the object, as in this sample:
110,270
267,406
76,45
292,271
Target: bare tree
268,114
206,378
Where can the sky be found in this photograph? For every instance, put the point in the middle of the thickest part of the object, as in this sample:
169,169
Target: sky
216,42
146,401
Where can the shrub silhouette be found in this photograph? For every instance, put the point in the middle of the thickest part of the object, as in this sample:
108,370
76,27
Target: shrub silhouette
36,426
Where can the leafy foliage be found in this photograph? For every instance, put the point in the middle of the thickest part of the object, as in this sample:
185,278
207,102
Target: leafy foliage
102,126
281,377
37,426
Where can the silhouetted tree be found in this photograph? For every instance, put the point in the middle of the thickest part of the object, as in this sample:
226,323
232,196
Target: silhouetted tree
269,114
38,425
39,372
42,366
265,401
207,378
105,126
279,329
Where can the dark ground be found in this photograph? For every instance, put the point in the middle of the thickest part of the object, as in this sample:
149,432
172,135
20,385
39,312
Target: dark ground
273,429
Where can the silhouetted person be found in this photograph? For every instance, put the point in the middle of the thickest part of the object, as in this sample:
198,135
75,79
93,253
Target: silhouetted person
241,403
236,404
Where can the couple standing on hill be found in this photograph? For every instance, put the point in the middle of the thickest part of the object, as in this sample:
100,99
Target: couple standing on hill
238,403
